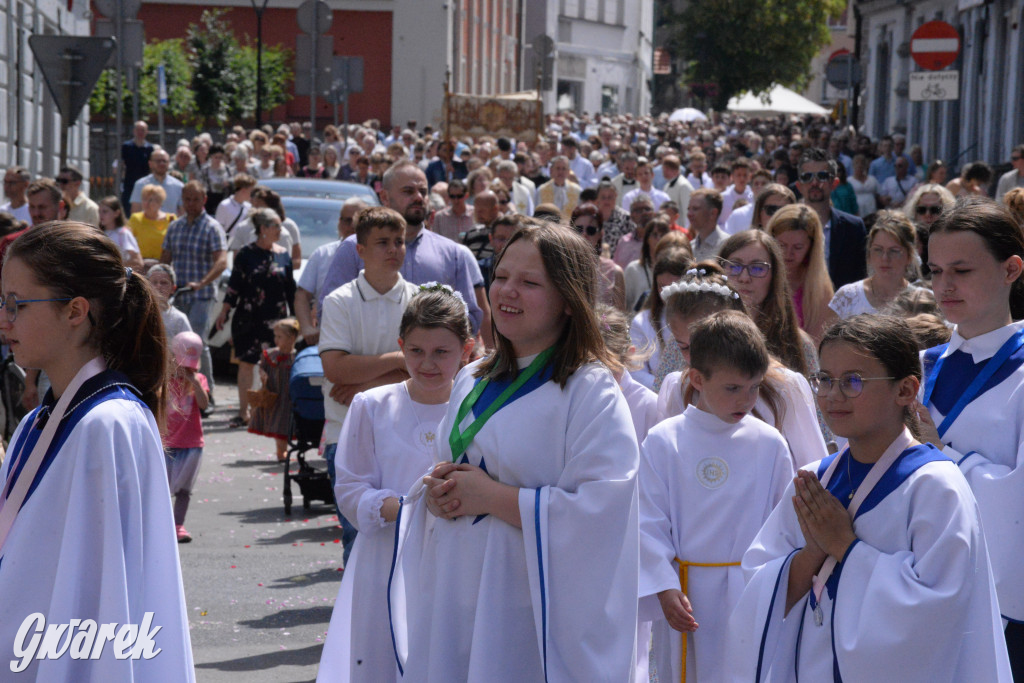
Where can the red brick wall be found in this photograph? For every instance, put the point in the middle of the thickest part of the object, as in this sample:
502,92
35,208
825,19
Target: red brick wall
366,34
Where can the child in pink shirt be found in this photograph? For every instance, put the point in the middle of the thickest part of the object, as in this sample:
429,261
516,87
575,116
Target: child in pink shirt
188,396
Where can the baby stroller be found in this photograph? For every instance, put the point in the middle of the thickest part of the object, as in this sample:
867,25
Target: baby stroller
305,384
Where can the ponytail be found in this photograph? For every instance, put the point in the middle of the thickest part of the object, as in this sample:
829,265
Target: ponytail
77,260
135,342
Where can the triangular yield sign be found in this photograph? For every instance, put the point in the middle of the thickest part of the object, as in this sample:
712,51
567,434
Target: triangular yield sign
71,66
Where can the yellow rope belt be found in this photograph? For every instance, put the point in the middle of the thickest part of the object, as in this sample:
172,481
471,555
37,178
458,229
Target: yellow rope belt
684,581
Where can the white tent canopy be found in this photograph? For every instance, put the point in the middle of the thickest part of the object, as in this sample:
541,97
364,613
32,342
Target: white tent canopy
687,115
779,100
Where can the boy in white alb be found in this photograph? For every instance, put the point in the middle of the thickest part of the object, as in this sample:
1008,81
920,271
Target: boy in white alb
708,480
359,327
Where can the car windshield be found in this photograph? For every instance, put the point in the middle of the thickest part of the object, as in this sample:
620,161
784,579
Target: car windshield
317,221
327,189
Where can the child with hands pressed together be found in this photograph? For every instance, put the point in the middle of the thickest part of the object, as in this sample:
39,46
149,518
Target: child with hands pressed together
713,458
878,569
389,440
533,506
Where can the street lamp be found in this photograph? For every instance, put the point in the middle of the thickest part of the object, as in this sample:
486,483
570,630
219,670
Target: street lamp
259,59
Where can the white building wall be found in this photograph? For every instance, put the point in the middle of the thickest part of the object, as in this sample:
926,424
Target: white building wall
988,118
29,120
421,47
603,49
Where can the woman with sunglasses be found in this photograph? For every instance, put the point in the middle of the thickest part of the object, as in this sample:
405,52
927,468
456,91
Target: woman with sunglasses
586,220
924,207
891,253
772,198
639,274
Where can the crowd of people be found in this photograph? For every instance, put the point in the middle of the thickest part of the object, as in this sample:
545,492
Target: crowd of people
733,400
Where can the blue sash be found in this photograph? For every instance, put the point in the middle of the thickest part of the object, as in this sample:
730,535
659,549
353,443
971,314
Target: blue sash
105,386
974,388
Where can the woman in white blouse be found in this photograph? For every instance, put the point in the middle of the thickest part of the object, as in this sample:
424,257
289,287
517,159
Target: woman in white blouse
864,186
890,256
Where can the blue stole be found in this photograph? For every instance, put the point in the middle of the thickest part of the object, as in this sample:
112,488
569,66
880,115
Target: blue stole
494,388
844,481
952,391
840,486
491,393
105,386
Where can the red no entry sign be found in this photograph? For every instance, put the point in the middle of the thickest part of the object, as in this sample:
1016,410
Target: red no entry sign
935,45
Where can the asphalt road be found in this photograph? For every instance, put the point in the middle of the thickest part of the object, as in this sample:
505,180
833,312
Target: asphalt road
259,585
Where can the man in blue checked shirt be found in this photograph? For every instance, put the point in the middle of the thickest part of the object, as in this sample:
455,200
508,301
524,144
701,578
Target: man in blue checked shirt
196,248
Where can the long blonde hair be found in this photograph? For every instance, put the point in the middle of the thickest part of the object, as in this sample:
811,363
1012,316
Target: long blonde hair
817,286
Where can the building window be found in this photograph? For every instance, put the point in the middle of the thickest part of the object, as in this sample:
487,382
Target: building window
570,96
610,100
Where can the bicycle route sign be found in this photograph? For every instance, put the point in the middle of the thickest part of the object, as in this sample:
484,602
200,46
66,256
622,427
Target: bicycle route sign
934,86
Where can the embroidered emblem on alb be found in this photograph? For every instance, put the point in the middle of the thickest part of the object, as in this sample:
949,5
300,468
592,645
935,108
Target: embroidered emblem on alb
712,472
426,436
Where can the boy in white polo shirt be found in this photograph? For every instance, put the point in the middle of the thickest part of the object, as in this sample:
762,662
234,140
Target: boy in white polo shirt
359,327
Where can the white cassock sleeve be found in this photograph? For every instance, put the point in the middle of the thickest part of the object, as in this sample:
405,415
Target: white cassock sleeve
359,477
95,540
581,541
657,546
999,490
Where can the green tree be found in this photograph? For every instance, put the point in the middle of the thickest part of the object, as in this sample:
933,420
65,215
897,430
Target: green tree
215,84
277,74
731,46
178,73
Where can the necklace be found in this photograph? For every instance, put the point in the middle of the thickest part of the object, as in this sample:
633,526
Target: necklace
425,433
849,475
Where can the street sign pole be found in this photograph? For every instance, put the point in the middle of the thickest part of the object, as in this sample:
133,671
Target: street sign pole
312,71
119,23
71,65
161,96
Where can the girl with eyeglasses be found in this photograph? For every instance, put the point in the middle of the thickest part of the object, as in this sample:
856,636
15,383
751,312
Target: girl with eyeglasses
890,264
874,566
973,397
86,529
586,220
752,261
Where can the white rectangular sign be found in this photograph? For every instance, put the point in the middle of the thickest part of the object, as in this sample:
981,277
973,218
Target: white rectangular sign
934,86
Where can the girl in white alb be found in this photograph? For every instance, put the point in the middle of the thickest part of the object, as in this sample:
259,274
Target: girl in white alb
516,558
973,393
876,567
86,527
388,442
